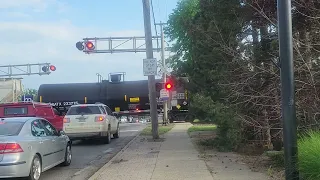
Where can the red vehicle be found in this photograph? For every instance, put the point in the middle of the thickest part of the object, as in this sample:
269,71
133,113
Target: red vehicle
32,109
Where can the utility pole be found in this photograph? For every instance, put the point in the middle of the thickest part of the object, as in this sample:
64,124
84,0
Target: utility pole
151,78
288,89
164,70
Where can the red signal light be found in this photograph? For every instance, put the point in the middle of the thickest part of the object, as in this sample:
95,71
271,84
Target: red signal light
52,68
168,86
90,45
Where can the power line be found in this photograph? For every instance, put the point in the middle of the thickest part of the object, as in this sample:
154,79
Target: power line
167,17
154,22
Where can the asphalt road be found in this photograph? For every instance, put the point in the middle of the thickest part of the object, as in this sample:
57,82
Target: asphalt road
88,157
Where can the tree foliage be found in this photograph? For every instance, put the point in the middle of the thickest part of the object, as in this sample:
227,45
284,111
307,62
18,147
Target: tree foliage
229,51
32,92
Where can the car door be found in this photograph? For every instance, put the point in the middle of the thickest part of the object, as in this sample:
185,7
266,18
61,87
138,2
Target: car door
44,142
57,146
112,119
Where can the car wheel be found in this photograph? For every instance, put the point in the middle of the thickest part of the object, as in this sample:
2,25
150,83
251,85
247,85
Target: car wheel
107,139
36,169
68,156
117,134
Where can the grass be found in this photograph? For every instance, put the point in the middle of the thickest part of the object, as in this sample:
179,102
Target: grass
204,127
309,156
162,129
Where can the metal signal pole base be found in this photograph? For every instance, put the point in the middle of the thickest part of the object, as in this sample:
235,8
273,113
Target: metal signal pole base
288,89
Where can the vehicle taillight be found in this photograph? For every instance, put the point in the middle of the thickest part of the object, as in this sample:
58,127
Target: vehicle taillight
66,120
99,118
8,148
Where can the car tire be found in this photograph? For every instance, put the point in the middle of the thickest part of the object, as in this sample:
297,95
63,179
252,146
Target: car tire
35,169
67,156
107,139
117,134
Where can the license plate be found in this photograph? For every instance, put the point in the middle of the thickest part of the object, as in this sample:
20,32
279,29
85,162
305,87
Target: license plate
82,120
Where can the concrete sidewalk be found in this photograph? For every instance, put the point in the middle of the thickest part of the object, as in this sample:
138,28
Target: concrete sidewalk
174,158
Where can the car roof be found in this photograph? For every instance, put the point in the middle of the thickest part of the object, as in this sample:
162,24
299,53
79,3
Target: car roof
88,105
26,103
19,119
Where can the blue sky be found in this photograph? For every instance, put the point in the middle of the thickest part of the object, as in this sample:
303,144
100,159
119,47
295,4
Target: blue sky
38,31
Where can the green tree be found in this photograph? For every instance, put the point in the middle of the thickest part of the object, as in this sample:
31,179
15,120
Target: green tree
32,92
229,51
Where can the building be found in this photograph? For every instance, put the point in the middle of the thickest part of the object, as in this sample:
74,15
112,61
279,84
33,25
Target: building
10,89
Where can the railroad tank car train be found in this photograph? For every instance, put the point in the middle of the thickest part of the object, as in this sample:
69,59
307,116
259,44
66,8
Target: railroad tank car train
125,96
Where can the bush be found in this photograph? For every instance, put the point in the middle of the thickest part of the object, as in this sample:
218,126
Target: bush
309,155
277,157
196,121
229,133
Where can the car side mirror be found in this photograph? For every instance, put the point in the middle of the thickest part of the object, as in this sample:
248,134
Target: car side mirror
61,133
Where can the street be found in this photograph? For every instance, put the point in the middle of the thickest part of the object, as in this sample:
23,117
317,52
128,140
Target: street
88,157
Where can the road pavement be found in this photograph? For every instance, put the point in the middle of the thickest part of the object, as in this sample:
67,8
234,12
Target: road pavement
88,157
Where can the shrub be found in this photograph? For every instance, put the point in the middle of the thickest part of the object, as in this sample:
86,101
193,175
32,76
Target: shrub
309,155
196,121
277,158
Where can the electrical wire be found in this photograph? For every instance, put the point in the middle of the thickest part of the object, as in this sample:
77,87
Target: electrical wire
154,23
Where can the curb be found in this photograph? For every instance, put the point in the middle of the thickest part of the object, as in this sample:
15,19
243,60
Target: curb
103,168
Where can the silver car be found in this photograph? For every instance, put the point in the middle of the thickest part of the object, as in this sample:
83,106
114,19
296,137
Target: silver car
30,146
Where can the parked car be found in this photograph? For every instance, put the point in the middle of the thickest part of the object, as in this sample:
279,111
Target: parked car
32,109
88,121
30,146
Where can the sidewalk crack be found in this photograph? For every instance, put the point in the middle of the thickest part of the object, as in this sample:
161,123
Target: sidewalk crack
156,161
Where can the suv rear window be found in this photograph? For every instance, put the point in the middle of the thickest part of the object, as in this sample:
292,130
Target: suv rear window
84,110
10,128
15,110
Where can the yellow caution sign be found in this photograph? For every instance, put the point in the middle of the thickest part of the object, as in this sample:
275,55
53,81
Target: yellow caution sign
117,109
135,100
178,106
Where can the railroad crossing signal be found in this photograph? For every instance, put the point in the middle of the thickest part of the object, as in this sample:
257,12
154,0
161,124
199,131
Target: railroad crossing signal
48,68
89,45
26,69
168,86
116,45
85,46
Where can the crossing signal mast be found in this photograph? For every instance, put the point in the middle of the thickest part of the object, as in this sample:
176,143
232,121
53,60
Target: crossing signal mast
26,69
115,44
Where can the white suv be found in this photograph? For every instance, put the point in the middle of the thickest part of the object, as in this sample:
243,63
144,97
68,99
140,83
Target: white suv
86,121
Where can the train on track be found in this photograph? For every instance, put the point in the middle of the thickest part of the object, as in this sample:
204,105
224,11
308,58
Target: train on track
123,97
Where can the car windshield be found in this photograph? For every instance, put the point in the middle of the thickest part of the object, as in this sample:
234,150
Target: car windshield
15,110
84,110
8,128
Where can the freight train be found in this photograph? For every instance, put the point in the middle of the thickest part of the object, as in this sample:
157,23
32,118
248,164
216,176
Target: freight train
126,97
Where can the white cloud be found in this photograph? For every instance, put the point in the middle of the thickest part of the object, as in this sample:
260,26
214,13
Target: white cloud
36,6
28,41
31,42
19,15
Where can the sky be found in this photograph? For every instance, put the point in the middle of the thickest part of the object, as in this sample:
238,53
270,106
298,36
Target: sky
46,31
